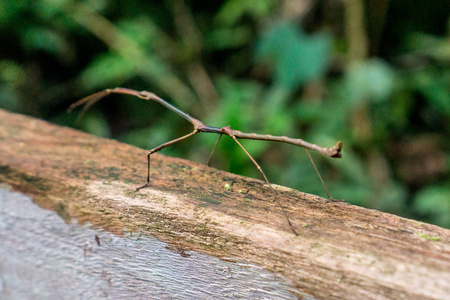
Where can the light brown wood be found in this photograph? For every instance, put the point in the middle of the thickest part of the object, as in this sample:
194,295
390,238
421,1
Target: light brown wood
342,251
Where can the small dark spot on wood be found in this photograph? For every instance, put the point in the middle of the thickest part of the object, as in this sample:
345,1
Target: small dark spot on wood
180,250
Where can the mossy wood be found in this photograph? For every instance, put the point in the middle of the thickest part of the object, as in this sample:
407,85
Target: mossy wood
342,251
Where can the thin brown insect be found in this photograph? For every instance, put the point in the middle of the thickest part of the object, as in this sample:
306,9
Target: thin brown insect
334,151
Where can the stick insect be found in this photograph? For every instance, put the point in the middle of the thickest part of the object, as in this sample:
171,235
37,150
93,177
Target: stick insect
334,151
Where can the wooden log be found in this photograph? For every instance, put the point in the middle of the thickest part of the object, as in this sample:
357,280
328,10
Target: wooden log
41,257
342,251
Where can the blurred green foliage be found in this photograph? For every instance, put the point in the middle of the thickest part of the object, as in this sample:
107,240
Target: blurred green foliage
295,68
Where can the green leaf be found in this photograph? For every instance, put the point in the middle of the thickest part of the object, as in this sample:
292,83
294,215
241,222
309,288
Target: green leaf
435,200
233,10
50,41
229,37
436,47
11,72
106,70
369,80
12,10
296,57
12,75
435,86
151,37
392,198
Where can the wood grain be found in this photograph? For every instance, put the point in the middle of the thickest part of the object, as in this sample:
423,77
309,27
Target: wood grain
342,251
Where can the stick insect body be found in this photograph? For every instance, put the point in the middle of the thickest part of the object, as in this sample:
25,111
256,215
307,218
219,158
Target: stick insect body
234,134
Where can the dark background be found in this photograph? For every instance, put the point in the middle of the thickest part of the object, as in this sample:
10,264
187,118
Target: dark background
374,74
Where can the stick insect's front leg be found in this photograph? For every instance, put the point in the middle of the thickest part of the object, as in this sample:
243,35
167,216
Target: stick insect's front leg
159,148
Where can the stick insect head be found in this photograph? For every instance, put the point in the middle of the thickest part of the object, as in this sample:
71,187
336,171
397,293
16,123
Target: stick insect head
89,101
92,99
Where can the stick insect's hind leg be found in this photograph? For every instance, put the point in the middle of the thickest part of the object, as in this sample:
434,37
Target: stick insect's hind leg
212,151
321,180
159,148
268,183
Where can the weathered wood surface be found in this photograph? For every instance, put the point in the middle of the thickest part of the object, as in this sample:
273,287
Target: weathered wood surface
41,257
343,251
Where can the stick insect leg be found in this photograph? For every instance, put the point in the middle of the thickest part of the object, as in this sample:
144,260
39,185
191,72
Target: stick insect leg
268,183
321,180
213,149
159,148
